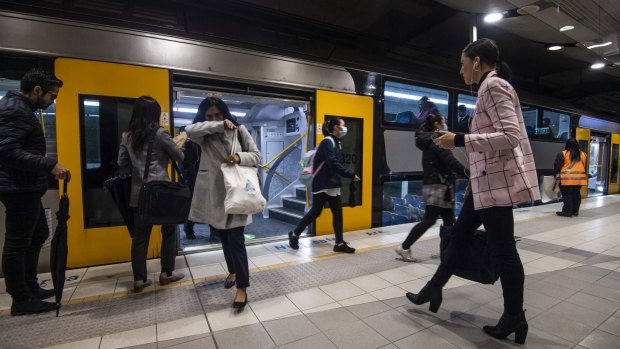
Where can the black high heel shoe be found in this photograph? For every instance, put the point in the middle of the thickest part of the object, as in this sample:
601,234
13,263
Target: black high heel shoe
508,324
229,284
241,305
430,294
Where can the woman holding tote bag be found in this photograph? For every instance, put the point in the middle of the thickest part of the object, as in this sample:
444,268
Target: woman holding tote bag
217,137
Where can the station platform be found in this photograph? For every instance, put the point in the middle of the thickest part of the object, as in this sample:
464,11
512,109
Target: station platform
314,298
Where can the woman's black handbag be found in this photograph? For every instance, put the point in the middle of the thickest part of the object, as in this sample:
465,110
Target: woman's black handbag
475,262
163,202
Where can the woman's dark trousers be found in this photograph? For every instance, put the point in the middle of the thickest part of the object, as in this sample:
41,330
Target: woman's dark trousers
140,246
499,225
318,202
571,195
430,217
233,245
26,231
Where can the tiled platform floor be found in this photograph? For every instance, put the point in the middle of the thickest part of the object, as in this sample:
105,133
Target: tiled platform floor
313,298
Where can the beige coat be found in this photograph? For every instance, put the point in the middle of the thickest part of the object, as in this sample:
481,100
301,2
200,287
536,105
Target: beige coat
209,192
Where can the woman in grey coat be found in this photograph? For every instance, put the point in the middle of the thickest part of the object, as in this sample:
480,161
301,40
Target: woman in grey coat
131,159
215,137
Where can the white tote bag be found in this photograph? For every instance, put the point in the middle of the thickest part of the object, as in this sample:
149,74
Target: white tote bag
550,189
243,194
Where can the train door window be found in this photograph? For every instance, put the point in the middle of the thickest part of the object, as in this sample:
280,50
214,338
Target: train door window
614,164
102,122
352,158
406,105
530,119
464,112
555,125
597,167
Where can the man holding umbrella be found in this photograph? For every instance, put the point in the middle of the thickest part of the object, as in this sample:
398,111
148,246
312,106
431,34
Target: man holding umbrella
24,174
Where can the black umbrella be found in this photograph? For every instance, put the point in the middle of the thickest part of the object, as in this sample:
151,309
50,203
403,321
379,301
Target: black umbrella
352,194
120,190
59,252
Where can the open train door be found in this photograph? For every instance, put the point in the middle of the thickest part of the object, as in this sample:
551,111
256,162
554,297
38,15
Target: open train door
583,137
93,109
614,180
357,112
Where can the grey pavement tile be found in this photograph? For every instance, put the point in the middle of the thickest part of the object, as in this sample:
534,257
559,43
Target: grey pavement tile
531,311
356,335
458,305
314,342
481,316
610,281
569,256
603,292
197,343
551,289
203,339
290,329
461,333
365,310
600,340
143,346
568,282
562,327
389,346
474,293
424,339
536,339
394,325
331,319
396,302
599,304
250,337
580,314
579,252
539,300
425,317
612,325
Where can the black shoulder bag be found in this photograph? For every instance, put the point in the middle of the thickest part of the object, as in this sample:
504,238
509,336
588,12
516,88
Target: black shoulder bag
163,202
475,262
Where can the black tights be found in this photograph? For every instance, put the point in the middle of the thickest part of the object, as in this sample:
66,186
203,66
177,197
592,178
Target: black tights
430,217
318,202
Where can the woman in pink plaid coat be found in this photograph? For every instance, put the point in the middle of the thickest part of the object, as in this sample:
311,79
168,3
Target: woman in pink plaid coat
502,174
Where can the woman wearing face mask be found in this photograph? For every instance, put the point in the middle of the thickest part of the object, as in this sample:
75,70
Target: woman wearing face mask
326,184
215,137
502,173
438,165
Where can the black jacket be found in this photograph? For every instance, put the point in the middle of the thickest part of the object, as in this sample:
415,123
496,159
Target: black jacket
329,175
438,164
191,162
23,165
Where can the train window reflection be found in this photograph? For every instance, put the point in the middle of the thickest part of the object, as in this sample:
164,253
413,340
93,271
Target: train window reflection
408,105
464,113
530,119
555,125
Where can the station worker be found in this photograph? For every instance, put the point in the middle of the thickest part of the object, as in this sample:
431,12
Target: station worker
570,169
24,175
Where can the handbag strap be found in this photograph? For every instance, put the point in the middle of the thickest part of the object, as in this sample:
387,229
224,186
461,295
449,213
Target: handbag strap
233,148
149,152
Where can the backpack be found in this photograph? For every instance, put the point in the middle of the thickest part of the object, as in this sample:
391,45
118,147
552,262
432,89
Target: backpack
308,171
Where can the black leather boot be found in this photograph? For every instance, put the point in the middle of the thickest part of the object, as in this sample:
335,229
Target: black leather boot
429,293
508,324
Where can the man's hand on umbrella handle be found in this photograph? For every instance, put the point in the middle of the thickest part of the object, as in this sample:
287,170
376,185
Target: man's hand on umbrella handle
61,172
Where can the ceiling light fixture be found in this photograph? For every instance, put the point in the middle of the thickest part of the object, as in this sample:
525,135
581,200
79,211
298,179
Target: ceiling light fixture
566,28
493,17
597,65
555,47
600,45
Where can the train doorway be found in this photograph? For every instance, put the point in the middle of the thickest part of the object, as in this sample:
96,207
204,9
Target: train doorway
279,127
598,164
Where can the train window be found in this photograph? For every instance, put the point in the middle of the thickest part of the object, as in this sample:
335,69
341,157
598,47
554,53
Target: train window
555,125
464,112
406,105
402,202
352,158
102,122
530,119
614,164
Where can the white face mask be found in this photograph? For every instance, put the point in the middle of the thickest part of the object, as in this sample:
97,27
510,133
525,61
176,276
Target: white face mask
343,131
445,126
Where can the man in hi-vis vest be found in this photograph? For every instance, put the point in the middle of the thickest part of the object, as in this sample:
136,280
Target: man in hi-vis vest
570,168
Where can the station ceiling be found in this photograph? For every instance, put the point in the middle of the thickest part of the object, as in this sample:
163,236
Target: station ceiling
417,39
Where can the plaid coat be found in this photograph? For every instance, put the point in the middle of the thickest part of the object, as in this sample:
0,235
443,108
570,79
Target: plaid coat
502,170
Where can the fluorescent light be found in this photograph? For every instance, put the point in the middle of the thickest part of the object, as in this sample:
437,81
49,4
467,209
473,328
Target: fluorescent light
91,103
239,114
600,45
554,47
186,110
468,106
493,17
597,65
413,97
567,27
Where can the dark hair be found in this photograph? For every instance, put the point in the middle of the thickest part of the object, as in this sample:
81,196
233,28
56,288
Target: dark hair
38,77
462,107
144,120
429,123
488,51
328,126
573,148
219,104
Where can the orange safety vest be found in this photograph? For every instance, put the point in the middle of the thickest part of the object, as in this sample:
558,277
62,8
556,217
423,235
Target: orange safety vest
573,173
